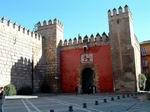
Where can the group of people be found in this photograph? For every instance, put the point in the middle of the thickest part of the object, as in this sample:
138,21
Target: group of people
1,98
89,90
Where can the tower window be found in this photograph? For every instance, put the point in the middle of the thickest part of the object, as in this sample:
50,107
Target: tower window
117,21
43,38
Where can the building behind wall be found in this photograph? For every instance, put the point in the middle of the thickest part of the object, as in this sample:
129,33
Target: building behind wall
108,62
145,55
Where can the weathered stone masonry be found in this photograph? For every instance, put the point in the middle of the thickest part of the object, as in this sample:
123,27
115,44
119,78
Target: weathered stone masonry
116,56
52,33
19,48
125,50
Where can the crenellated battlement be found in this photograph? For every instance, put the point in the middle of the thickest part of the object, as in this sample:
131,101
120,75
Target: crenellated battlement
21,29
44,54
89,40
119,11
50,22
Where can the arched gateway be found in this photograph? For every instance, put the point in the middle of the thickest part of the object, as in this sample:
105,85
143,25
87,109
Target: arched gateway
87,79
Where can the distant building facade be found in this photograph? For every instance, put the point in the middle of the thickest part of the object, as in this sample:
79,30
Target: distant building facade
108,62
145,56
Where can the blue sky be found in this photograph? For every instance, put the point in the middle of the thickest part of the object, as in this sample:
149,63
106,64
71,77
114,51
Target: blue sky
84,17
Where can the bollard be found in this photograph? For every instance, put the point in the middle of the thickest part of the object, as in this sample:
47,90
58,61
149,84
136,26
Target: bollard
70,109
112,98
123,96
51,110
96,102
128,95
84,105
118,97
105,100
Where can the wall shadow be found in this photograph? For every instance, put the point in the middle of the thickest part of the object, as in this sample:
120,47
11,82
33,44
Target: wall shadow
21,73
25,73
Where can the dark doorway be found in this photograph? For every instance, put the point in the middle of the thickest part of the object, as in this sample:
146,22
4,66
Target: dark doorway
87,80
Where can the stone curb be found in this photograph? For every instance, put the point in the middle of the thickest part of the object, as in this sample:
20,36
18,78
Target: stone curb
20,97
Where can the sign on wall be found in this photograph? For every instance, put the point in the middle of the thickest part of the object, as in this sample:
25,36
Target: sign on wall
87,58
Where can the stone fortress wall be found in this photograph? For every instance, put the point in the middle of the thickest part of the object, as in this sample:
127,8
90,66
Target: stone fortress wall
26,58
20,51
125,48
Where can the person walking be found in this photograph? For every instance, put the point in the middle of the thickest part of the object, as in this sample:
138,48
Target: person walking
79,89
94,89
89,90
76,90
1,98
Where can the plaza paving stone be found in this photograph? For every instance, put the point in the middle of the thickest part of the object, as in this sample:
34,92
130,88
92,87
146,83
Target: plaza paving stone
61,103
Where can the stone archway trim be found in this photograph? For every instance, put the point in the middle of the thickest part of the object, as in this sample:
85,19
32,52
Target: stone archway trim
96,77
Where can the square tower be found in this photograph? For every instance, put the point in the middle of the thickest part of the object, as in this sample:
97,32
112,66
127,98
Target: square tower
125,50
52,33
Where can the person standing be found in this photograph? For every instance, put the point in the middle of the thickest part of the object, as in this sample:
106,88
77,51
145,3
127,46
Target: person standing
1,98
89,90
79,89
76,90
94,89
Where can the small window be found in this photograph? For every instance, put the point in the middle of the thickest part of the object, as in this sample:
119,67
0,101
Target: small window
43,38
117,21
143,51
144,63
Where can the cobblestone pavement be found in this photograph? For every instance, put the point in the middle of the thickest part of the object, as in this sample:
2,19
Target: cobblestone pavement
79,103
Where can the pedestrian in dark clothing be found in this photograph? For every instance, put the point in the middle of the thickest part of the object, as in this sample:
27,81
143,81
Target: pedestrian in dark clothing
1,98
94,89
76,90
89,90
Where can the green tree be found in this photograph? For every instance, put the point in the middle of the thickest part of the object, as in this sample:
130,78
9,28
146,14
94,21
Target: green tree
142,81
10,90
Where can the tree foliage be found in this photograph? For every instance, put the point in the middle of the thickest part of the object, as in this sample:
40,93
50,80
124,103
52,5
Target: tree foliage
10,90
142,81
